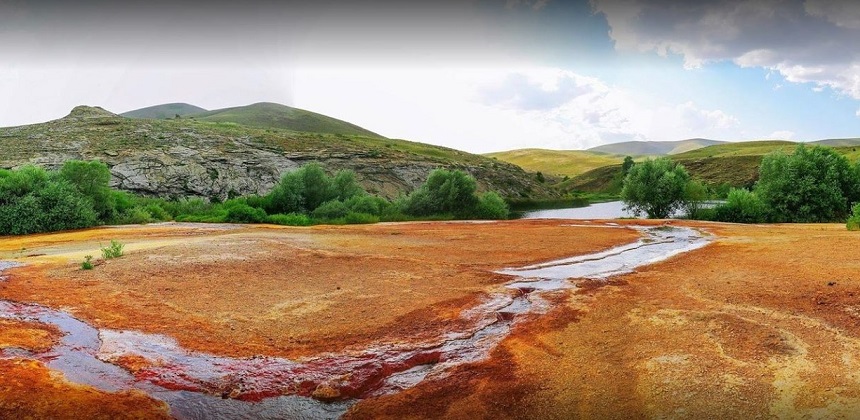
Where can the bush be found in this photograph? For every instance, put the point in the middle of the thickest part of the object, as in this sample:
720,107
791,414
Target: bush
292,219
333,209
114,250
157,212
655,187
360,218
741,206
491,206
134,216
854,221
369,204
87,264
695,193
239,212
812,185
92,180
444,192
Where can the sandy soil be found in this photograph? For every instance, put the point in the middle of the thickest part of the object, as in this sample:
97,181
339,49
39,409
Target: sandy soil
763,323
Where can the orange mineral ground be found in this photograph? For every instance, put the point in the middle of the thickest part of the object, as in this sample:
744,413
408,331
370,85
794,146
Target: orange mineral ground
763,322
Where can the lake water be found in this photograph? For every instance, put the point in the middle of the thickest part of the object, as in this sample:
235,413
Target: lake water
608,210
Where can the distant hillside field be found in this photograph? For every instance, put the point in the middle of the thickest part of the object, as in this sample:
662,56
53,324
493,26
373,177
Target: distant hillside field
734,164
556,162
186,157
653,148
160,112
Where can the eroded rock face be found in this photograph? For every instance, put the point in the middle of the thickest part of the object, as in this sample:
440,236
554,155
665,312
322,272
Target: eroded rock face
184,158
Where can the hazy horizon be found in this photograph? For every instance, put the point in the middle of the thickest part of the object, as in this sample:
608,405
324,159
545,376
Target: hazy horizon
475,75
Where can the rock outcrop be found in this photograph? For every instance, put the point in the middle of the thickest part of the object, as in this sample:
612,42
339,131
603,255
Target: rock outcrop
181,158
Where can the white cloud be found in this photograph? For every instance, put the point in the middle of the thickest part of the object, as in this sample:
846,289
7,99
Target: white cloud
781,135
533,4
484,110
806,42
857,113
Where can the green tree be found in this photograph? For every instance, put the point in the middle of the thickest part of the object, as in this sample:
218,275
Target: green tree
814,184
695,194
626,165
655,187
742,206
445,192
92,179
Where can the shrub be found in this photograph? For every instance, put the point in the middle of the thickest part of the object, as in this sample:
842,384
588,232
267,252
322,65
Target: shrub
655,187
114,250
333,209
695,193
741,206
88,263
369,204
360,218
811,185
444,192
134,216
157,212
292,219
491,206
854,221
92,179
239,212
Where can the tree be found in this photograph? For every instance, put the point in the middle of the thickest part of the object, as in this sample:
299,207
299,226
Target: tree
626,165
814,184
742,206
655,187
92,179
444,192
695,193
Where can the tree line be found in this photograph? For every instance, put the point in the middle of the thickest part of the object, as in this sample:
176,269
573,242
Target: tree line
79,195
813,184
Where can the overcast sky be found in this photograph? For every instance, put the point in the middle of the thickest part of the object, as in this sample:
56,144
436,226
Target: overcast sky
477,75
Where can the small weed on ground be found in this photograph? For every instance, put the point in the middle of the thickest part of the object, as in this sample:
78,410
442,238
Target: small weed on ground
88,263
114,250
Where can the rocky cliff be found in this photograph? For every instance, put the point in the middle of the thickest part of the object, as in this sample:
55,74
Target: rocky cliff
180,158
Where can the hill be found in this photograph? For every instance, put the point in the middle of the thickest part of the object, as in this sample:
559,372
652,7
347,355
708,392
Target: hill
271,115
185,157
838,142
556,162
733,164
653,148
164,111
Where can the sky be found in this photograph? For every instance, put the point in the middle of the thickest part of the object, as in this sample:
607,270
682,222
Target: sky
476,75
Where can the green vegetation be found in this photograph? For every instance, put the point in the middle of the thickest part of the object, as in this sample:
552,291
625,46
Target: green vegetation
34,200
164,111
88,263
655,187
814,184
811,185
741,206
114,250
854,221
653,148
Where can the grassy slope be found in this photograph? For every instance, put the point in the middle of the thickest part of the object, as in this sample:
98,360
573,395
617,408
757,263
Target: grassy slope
98,134
164,111
556,162
270,115
735,164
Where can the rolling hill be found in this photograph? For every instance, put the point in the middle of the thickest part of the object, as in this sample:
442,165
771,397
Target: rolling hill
734,164
653,148
838,142
556,162
164,111
189,157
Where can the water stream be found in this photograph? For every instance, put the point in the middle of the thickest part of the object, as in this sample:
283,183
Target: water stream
204,386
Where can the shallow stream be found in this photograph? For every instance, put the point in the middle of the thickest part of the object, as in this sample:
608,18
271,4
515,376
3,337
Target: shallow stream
204,386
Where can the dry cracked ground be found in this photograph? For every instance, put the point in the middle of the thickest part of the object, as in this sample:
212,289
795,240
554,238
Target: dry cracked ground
762,323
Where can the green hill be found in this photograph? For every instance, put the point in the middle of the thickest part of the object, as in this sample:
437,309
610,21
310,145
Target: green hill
271,115
164,111
653,148
838,142
733,164
556,162
185,157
